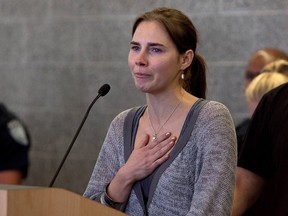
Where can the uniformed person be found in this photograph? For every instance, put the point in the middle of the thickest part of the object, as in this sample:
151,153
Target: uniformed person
14,148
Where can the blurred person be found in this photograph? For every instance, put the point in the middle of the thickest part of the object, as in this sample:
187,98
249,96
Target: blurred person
14,148
261,58
256,63
162,158
262,172
280,66
261,85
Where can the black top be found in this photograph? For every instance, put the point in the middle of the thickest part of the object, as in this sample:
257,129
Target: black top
14,142
241,130
265,152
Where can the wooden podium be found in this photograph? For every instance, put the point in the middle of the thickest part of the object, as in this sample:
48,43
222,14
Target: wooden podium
41,201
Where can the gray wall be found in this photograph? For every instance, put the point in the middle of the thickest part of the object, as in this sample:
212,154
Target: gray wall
55,54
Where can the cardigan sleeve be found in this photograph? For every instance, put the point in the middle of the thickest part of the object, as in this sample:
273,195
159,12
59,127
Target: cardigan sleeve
109,160
216,162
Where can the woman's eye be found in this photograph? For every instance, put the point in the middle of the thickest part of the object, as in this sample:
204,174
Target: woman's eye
156,50
135,48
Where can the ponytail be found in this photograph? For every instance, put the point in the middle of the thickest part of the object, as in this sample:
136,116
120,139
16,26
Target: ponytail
195,77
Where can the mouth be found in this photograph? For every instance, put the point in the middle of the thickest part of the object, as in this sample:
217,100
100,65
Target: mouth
141,75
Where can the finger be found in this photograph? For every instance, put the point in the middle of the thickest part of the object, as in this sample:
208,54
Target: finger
165,147
163,153
166,143
162,149
161,138
160,160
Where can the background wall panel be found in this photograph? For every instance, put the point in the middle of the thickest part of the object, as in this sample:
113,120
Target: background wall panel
55,54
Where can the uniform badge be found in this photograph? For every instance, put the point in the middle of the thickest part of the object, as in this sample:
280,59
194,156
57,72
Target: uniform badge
17,132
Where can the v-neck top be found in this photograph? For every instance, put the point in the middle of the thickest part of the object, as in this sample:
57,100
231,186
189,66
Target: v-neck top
197,179
149,183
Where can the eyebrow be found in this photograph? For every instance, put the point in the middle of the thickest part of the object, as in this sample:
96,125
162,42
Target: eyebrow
149,44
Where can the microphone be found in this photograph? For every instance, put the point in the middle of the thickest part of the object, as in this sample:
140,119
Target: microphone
101,92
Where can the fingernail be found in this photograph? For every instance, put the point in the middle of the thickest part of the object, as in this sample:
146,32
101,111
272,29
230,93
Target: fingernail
172,142
168,134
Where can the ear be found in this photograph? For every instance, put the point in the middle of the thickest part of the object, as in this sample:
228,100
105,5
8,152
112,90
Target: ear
186,59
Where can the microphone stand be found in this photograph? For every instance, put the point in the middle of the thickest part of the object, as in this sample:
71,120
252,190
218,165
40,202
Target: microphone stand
101,92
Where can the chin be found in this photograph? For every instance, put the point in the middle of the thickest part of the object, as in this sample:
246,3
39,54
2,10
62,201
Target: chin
142,87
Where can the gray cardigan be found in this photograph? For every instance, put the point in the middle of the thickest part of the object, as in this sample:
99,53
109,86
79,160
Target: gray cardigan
198,181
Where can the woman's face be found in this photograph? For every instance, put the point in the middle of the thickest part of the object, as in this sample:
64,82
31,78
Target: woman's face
153,59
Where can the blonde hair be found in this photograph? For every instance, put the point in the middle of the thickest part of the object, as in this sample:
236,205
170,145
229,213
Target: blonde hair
280,66
264,83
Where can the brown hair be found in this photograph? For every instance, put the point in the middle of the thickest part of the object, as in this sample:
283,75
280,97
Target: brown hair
184,35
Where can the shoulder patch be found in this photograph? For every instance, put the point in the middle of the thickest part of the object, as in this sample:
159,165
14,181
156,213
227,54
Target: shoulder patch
17,132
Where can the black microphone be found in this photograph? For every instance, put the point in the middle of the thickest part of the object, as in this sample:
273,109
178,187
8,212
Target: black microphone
101,92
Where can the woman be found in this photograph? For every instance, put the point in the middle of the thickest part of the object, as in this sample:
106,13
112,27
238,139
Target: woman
154,160
259,86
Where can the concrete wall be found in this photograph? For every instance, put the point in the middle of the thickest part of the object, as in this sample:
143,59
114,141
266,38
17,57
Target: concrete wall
55,54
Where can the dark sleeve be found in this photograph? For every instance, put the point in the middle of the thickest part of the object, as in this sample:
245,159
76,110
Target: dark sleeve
256,154
241,130
14,143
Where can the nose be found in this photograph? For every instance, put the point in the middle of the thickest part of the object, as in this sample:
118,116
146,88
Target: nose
141,59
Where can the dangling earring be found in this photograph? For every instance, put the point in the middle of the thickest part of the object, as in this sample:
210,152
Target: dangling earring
182,75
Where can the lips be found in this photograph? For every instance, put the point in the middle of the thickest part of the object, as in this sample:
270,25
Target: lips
141,75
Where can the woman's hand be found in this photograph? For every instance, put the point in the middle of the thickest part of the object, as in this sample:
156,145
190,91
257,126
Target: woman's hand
144,159
148,155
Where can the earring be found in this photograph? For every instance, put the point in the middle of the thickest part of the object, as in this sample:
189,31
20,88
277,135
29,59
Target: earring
182,75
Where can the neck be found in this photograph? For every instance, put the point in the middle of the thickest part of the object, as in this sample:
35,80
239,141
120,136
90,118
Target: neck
159,103
161,122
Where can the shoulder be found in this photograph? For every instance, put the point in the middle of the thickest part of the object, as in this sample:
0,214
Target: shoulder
215,131
122,116
280,91
215,117
13,131
271,104
214,108
276,95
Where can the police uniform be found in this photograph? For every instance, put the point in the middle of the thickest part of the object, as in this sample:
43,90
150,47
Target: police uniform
14,142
